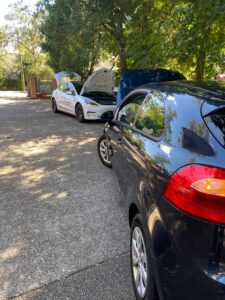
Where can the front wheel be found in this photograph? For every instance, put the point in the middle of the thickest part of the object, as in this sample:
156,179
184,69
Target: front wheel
104,152
141,266
54,106
79,113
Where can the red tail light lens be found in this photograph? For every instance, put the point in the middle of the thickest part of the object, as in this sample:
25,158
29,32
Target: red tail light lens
199,191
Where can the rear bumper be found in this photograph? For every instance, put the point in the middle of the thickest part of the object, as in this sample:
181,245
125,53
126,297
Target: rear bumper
98,112
188,255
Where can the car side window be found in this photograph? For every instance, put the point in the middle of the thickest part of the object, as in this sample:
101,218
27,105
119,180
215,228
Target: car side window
61,87
130,108
66,87
151,117
71,87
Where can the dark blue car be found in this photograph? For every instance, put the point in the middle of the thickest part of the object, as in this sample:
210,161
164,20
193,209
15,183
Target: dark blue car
131,79
166,145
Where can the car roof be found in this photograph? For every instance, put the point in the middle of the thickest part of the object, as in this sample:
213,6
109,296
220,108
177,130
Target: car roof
201,89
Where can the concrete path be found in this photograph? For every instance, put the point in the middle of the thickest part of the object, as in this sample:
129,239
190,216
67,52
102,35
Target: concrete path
63,228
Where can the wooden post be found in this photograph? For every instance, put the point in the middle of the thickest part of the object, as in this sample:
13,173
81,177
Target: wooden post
33,90
54,84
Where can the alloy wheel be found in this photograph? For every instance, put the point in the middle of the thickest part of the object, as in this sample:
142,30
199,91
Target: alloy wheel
104,151
139,262
79,113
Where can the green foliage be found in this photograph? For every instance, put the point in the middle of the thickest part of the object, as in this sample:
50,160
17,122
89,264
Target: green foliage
10,84
8,68
186,35
1,77
199,37
27,39
3,41
70,37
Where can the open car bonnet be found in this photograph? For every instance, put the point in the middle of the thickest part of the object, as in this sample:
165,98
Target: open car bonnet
102,80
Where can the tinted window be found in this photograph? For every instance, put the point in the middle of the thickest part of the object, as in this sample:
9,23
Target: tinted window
151,118
66,88
216,124
61,87
129,110
78,86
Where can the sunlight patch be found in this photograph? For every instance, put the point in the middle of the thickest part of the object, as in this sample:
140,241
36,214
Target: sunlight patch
7,170
62,195
88,140
36,147
32,177
11,251
45,196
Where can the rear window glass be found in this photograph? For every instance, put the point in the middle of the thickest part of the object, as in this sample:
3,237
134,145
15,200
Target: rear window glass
216,124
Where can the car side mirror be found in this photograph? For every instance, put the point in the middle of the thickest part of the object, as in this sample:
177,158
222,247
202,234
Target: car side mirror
73,93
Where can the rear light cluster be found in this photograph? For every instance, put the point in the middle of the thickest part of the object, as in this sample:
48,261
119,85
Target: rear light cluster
199,191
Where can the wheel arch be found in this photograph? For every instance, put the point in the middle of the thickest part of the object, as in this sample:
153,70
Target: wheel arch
78,103
133,211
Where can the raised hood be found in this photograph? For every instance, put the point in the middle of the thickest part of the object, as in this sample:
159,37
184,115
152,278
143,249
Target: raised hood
101,80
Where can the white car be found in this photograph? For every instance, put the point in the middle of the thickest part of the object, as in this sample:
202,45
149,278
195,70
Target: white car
91,101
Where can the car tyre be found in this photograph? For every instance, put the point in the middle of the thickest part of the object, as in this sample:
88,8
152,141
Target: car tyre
104,152
54,106
79,113
141,265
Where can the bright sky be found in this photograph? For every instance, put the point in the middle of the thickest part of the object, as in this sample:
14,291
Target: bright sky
4,8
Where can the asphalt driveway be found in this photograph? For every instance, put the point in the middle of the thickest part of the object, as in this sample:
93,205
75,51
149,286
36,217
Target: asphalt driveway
63,227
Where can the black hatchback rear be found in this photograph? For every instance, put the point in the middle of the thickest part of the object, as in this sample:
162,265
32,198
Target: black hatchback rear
166,146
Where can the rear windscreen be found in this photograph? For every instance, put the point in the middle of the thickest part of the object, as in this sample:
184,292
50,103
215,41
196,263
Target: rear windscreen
216,124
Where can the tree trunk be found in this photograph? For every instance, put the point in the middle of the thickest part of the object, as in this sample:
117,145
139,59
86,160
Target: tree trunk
22,72
33,88
123,58
91,67
122,48
200,64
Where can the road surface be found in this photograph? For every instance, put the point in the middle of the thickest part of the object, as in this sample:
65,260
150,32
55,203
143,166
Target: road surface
63,227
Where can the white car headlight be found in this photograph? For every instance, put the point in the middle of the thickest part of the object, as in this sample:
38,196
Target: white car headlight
91,102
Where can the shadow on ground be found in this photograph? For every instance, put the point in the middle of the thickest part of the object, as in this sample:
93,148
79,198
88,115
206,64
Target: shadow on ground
60,209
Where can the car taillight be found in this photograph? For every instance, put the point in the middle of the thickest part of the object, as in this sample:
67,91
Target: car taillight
199,191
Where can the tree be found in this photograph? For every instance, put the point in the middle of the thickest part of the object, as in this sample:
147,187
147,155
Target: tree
197,37
71,40
187,35
112,17
77,33
3,41
27,39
